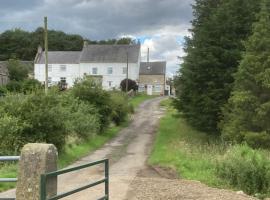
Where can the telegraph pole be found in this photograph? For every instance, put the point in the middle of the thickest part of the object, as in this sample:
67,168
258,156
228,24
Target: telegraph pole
127,74
46,54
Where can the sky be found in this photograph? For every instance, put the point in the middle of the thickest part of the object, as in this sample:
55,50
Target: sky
160,25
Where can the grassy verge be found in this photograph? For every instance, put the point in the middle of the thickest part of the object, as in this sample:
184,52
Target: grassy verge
138,99
190,153
199,156
74,151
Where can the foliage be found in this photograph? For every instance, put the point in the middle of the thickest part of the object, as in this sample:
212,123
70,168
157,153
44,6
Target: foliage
121,108
14,86
16,70
89,91
246,169
213,54
31,85
247,115
132,85
43,120
23,45
82,119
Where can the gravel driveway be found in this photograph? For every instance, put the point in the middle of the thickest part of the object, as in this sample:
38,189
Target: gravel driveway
130,177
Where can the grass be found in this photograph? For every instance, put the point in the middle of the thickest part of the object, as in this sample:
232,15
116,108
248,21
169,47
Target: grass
74,151
138,99
190,153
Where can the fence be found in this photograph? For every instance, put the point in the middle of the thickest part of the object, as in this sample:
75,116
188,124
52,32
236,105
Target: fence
4,159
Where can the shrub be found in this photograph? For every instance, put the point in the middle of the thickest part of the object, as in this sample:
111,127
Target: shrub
121,108
3,91
42,118
92,93
11,137
246,169
30,85
14,86
132,85
82,118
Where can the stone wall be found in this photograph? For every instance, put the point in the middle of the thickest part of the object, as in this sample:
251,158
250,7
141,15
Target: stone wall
153,80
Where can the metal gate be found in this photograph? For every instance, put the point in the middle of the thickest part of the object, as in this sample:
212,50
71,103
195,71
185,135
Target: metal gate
105,180
4,159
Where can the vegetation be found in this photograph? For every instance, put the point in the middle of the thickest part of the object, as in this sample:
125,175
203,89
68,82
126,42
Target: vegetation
81,124
213,54
132,85
23,45
247,114
246,169
199,156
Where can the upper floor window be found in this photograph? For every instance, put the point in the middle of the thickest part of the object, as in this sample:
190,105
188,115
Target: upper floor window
94,70
124,70
63,68
109,70
49,68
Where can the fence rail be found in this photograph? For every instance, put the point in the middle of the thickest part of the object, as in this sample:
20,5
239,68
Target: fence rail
43,192
4,159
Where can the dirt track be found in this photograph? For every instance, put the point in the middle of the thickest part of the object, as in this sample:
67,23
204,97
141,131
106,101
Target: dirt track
130,177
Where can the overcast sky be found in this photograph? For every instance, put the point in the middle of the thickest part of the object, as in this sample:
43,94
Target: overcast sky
158,24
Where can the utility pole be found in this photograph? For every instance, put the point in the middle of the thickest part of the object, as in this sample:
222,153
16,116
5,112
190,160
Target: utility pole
127,74
46,54
148,57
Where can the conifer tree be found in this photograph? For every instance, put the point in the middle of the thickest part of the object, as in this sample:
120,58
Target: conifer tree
247,115
213,54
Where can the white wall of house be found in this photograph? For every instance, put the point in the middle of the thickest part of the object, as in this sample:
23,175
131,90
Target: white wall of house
113,73
111,78
56,72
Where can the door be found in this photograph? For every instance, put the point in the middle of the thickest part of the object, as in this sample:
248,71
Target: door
149,89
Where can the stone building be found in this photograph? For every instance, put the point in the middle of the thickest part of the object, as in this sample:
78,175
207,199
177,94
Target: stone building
152,77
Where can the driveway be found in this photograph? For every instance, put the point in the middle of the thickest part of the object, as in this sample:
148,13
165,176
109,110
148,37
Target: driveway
130,177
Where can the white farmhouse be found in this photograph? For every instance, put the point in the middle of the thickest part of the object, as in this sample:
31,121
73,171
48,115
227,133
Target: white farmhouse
106,61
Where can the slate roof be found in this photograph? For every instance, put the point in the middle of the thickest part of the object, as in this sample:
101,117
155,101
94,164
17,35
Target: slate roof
153,68
60,57
110,53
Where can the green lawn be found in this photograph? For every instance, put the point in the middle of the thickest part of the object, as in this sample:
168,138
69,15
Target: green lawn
74,151
190,153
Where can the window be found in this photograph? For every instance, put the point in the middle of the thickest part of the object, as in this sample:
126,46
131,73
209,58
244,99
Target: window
63,79
94,70
63,68
124,70
157,88
49,68
109,70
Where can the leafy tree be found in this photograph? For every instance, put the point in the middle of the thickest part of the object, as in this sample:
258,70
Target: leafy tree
132,85
213,54
17,71
247,114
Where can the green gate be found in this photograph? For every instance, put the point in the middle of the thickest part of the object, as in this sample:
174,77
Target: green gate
43,192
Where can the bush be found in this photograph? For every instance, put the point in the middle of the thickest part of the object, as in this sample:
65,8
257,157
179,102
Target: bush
39,118
132,85
92,93
82,118
14,86
246,169
121,108
30,85
3,91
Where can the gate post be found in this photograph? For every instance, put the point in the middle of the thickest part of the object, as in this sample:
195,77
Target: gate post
36,159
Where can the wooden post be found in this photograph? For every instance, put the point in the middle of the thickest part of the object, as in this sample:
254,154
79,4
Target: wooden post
46,54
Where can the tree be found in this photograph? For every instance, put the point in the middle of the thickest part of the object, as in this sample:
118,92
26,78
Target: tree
17,71
132,85
213,54
247,115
